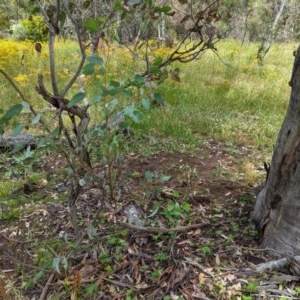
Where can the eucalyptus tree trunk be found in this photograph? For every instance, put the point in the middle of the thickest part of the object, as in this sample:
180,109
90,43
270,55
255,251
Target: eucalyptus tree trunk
270,35
277,209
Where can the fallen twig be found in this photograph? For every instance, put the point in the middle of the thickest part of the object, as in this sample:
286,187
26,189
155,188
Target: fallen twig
197,265
9,239
163,229
45,289
275,265
119,283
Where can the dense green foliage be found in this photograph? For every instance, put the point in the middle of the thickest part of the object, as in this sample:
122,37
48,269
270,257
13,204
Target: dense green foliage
251,20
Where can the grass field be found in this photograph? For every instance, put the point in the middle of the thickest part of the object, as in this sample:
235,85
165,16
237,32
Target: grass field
230,97
239,102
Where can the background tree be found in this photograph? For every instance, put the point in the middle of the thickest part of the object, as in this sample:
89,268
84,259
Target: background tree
11,12
271,33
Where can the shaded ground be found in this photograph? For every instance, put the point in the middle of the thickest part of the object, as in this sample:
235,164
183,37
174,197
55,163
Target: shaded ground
207,251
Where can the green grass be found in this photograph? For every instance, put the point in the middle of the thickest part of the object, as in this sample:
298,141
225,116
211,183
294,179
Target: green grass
230,97
238,102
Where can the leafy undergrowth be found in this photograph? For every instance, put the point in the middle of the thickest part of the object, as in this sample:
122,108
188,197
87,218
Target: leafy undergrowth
192,237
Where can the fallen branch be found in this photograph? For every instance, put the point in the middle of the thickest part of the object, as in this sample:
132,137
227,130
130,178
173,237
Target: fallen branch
9,239
46,288
164,230
276,265
197,265
23,140
118,283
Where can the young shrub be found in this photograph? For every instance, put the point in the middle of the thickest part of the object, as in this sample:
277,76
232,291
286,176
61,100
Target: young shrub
32,28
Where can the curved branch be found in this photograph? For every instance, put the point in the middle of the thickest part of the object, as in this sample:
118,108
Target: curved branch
82,50
61,103
188,48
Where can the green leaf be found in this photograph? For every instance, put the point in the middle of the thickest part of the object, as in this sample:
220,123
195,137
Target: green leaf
55,264
91,289
88,69
155,210
95,99
55,133
131,112
96,60
65,263
18,129
102,71
26,105
149,175
161,256
158,98
34,177
158,61
164,9
155,70
92,62
17,148
92,232
146,103
134,2
246,297
114,83
12,112
114,91
113,103
76,99
92,25
28,152
171,206
139,80
186,207
165,178
36,119
116,38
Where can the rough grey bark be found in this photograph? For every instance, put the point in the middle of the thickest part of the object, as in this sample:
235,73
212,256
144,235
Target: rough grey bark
277,209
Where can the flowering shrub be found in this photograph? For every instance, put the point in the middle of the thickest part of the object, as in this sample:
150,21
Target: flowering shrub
12,53
32,28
